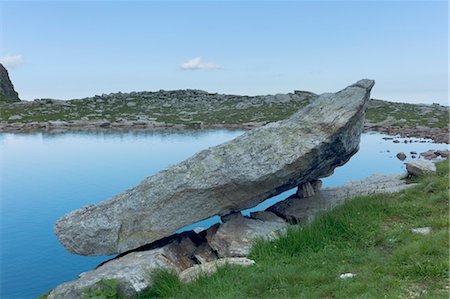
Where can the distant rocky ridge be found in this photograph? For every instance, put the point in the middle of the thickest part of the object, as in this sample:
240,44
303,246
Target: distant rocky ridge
197,109
178,108
7,92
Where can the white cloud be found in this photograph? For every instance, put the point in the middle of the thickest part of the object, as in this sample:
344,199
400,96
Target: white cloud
11,61
197,64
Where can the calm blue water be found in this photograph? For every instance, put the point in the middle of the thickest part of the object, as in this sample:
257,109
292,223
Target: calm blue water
44,176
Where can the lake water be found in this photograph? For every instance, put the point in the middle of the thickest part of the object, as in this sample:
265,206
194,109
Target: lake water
43,176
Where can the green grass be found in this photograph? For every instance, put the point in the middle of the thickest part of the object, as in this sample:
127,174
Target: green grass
407,115
225,113
215,113
369,236
104,289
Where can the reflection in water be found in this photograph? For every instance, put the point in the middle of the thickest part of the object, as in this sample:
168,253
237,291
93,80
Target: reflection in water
45,175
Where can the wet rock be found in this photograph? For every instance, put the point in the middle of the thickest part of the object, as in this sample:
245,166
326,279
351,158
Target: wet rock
235,237
442,153
232,176
401,156
305,210
429,155
420,167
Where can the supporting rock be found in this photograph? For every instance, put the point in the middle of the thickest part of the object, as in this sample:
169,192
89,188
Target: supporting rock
235,237
308,189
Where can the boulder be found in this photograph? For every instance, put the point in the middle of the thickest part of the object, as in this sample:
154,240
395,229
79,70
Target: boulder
132,271
420,167
309,188
429,155
236,236
401,156
442,153
232,176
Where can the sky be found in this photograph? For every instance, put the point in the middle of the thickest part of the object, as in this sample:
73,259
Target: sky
78,49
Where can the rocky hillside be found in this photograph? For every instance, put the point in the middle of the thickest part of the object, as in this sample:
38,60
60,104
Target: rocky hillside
187,107
7,92
181,109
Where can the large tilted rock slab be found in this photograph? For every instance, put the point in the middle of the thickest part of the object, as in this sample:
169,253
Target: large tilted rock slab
232,176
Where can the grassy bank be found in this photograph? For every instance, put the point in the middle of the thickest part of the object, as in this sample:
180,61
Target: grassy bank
369,236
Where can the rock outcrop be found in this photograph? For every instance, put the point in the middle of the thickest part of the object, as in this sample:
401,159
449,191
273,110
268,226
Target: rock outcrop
229,177
235,237
420,167
429,155
133,270
7,92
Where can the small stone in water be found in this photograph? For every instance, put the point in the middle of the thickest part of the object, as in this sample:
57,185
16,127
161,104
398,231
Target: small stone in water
401,156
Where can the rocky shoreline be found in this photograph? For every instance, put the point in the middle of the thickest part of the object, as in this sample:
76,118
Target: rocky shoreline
438,135
83,125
